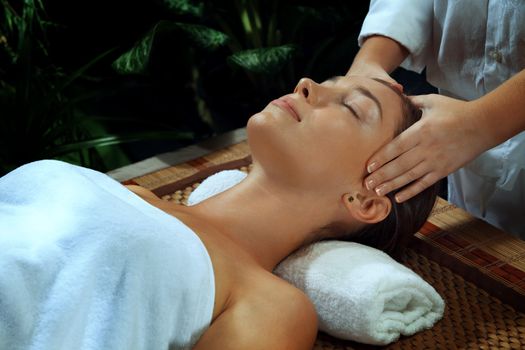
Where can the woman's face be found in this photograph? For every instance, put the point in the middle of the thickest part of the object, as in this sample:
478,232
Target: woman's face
323,134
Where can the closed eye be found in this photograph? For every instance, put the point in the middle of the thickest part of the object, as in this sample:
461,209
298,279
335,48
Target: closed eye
350,108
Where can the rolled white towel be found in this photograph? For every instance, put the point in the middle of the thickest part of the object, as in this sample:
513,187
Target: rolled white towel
360,293
216,183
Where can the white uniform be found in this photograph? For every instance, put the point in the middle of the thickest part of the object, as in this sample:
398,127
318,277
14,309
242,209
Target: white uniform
469,48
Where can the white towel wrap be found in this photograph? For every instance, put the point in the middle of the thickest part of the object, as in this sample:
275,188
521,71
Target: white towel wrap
87,264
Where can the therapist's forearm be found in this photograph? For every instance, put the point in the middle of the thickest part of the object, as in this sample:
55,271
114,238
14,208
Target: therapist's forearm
381,51
500,114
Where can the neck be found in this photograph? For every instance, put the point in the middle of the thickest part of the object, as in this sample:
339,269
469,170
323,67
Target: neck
266,220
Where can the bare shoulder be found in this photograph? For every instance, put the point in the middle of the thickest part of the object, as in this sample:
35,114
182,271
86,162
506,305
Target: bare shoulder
272,315
294,308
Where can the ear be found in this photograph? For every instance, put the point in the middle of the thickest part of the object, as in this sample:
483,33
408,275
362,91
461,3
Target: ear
367,209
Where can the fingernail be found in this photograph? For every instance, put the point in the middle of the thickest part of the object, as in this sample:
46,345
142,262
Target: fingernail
370,184
371,167
399,198
381,190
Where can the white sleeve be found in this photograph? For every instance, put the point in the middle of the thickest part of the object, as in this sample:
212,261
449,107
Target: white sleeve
409,22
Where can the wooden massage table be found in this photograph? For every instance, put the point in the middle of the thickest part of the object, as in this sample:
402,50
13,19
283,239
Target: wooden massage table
478,269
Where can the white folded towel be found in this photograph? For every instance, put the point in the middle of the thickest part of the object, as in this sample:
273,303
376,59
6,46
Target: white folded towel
360,293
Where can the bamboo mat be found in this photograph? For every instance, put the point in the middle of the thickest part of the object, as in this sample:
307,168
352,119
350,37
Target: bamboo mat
478,269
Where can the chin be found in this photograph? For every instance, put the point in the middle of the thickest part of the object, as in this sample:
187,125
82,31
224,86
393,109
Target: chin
257,121
272,145
263,134
264,131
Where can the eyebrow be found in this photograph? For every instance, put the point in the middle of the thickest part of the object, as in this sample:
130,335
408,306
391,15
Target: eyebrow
371,96
364,91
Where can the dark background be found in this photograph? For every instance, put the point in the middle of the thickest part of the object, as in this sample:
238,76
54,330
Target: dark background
194,69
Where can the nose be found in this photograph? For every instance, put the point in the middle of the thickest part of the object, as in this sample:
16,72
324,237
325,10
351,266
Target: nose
308,89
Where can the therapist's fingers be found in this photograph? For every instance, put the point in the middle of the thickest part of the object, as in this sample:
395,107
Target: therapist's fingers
399,173
401,144
417,187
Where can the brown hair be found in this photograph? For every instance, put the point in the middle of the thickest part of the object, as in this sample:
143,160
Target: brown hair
392,234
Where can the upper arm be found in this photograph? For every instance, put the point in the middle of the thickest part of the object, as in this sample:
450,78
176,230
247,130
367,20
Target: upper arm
286,320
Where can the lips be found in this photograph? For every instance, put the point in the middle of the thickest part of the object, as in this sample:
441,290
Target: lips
284,104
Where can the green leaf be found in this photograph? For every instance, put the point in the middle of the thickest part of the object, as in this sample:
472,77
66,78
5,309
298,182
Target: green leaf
184,7
268,60
135,61
10,17
246,23
203,37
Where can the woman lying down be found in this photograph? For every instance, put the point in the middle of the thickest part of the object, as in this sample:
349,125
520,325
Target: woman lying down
87,264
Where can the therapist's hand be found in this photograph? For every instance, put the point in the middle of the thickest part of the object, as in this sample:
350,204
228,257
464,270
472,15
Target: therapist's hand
445,139
373,71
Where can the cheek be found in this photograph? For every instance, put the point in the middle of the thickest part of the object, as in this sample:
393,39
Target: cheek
338,151
327,152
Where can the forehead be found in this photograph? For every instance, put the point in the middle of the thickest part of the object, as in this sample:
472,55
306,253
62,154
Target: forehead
353,81
390,100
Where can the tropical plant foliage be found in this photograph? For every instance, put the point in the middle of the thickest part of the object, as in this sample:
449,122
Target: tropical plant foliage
242,53
39,114
197,69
